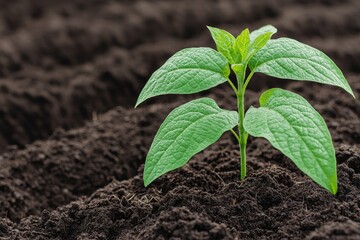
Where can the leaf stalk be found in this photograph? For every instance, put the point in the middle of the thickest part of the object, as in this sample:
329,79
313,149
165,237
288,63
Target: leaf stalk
233,86
235,134
248,80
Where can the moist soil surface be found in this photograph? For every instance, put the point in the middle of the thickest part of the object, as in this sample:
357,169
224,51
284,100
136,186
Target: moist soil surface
72,147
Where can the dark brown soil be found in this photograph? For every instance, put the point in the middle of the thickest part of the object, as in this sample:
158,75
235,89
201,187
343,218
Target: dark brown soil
72,146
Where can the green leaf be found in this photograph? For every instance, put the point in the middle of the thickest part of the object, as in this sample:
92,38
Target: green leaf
288,58
261,31
294,127
188,71
261,41
224,43
242,44
186,131
238,68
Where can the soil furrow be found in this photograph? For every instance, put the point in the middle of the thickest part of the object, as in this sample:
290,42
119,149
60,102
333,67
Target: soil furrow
67,40
59,37
32,107
270,203
70,164
58,71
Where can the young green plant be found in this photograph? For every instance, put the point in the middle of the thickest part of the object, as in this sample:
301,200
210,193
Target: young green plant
284,118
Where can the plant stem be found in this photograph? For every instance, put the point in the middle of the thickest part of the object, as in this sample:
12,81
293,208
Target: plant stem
248,80
236,135
232,86
242,133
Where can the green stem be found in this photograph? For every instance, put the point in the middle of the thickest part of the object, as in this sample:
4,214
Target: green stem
248,80
242,133
235,134
232,86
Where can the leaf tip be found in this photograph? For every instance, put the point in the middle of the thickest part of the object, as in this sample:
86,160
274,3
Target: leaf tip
352,93
138,102
270,28
346,86
210,28
146,183
142,97
333,188
146,179
148,175
237,68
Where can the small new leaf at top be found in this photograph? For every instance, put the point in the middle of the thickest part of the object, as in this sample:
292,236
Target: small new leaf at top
224,44
244,46
259,38
261,31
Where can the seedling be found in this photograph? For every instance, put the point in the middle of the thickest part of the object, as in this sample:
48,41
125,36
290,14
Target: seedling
284,118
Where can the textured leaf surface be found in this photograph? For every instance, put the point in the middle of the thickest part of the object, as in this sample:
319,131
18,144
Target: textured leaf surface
188,71
186,131
294,127
288,58
224,43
